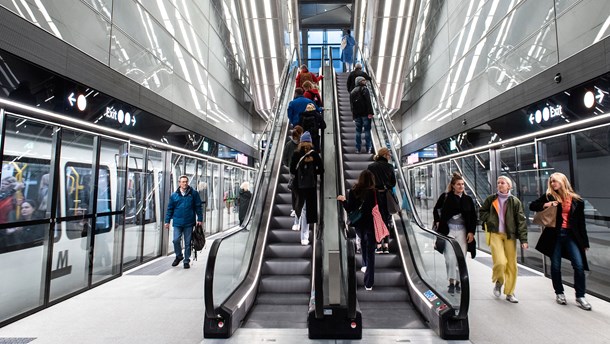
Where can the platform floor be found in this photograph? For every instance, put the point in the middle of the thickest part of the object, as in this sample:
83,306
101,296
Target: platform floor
160,304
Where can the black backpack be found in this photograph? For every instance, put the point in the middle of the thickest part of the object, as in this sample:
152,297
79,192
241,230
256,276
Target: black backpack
306,173
310,123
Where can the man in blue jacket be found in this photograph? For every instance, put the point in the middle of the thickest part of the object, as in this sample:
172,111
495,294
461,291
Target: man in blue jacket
298,105
183,205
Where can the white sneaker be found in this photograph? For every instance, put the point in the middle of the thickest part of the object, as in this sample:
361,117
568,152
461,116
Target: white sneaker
497,289
293,213
511,298
582,303
305,242
363,269
296,227
368,288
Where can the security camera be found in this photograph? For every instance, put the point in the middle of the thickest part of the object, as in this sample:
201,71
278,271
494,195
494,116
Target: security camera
557,78
464,122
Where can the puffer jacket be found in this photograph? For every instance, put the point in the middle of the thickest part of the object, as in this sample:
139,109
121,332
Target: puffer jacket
514,218
182,209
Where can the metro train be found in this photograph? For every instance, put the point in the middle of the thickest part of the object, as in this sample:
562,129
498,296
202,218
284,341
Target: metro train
81,230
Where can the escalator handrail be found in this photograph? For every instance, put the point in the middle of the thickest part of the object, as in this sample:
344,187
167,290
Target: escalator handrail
403,191
348,233
213,253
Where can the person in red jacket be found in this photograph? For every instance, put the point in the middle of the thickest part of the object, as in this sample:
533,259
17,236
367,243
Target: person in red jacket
312,93
306,75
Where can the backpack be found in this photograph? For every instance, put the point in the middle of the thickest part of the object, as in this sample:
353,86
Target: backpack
306,172
310,123
317,99
358,101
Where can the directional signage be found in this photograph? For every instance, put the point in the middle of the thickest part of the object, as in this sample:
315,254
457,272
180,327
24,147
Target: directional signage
547,113
80,101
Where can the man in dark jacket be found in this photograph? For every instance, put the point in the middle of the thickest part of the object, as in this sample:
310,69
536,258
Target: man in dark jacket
351,79
362,113
183,206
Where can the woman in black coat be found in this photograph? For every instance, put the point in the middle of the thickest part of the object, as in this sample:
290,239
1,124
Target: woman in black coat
385,180
568,239
244,200
362,195
455,216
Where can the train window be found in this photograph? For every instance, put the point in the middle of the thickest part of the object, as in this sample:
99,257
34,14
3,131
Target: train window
78,191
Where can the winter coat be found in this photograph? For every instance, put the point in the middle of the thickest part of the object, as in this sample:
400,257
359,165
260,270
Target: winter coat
366,221
296,106
367,106
384,174
182,209
577,231
317,160
289,149
244,202
450,204
307,76
514,218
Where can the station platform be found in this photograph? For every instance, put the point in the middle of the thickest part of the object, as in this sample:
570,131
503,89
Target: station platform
157,303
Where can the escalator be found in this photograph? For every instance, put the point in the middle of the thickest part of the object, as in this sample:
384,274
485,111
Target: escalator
285,282
388,304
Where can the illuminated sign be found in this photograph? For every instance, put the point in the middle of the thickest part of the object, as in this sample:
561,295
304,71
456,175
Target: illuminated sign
80,101
241,158
120,116
548,112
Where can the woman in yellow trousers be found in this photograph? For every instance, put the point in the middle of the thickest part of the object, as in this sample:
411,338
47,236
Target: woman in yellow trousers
503,217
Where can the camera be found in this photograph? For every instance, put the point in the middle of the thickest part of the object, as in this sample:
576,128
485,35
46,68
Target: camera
464,122
557,78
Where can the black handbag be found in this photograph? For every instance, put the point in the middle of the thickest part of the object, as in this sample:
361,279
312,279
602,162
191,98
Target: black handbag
392,202
354,216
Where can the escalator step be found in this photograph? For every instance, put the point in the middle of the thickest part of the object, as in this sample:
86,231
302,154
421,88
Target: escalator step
282,250
285,284
286,266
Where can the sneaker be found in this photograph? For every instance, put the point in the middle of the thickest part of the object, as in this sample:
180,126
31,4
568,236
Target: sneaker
368,288
293,213
177,261
370,150
358,151
296,227
386,250
583,303
451,289
187,265
561,299
511,298
305,242
363,269
497,288
458,289
378,250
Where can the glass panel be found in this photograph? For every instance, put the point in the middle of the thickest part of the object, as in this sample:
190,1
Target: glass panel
576,33
214,199
76,161
592,163
105,261
230,192
231,254
70,265
153,220
202,189
133,206
24,196
25,170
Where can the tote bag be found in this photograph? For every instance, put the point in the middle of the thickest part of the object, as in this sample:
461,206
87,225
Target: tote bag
546,217
392,202
381,231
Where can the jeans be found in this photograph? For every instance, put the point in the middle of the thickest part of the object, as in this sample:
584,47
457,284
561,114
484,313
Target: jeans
304,224
179,231
363,124
368,257
567,244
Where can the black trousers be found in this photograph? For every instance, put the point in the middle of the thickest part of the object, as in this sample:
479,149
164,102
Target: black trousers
311,197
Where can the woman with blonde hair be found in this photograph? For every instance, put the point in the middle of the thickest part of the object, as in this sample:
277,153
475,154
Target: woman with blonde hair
503,217
568,239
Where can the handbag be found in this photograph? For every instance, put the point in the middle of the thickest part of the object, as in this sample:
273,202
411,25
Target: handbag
546,217
291,182
392,202
381,231
354,216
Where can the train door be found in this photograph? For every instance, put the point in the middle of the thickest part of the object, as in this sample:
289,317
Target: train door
202,189
24,214
109,211
177,170
153,222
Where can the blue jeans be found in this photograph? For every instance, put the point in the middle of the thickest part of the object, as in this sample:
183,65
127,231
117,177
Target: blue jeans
565,242
363,124
179,231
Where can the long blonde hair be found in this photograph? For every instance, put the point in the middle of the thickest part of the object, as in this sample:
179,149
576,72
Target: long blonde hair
566,189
